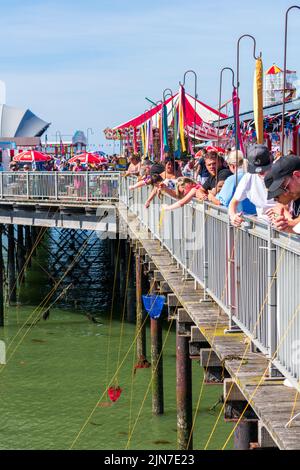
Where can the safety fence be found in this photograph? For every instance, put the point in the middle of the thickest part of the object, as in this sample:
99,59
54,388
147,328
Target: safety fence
252,272
77,186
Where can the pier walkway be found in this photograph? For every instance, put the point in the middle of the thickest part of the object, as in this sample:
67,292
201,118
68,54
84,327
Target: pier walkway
234,293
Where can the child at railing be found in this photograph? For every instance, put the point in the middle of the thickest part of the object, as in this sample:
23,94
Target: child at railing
186,190
159,185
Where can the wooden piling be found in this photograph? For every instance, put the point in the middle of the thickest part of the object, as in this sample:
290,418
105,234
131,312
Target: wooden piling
20,253
141,330
131,289
183,392
28,245
245,432
157,367
1,281
12,291
34,234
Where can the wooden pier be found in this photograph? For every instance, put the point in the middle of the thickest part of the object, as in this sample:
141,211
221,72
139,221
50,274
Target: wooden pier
269,403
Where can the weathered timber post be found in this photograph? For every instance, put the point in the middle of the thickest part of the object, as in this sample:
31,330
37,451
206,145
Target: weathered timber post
141,330
1,281
245,432
12,287
28,244
183,392
157,367
20,253
34,234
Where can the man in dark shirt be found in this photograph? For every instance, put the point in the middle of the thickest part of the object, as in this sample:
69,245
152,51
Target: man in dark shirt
216,169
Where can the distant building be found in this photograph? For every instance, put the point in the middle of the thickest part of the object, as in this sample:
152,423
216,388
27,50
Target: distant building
79,142
274,84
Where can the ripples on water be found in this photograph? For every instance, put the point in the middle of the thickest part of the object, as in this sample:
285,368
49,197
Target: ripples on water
57,370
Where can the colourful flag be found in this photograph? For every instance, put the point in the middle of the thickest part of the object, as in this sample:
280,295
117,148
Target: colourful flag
258,101
181,111
236,112
166,147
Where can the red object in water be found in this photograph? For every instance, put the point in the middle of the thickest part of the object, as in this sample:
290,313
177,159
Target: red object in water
114,393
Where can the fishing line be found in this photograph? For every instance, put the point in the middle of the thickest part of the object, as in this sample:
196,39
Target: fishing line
283,337
247,346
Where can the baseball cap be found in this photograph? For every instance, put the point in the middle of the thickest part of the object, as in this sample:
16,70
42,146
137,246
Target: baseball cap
280,170
259,158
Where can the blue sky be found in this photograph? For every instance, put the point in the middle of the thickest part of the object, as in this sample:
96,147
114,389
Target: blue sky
91,63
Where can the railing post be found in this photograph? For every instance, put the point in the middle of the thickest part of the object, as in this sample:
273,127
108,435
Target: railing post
56,185
231,300
87,185
205,261
27,183
272,303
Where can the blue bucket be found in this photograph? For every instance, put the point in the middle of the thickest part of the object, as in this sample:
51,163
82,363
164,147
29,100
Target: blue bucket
154,304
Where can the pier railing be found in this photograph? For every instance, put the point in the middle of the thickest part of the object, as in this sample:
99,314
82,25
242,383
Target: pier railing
59,186
252,272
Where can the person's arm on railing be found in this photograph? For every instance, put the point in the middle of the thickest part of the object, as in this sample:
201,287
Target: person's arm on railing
181,202
281,219
152,195
212,198
235,216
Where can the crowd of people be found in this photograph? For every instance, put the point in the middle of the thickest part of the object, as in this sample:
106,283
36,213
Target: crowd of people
63,164
258,184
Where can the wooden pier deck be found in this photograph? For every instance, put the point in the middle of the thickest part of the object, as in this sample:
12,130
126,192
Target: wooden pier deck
272,402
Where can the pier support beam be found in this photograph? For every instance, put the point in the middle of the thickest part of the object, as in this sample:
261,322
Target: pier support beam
183,392
28,244
1,281
245,433
157,367
12,288
141,330
20,253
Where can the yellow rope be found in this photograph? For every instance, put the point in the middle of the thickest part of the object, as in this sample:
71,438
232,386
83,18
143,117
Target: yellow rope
111,381
293,410
264,374
149,385
246,349
124,308
111,314
44,301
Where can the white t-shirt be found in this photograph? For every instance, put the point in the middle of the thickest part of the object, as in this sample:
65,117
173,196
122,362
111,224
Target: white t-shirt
253,187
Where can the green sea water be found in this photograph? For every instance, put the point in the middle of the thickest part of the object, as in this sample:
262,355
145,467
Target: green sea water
57,372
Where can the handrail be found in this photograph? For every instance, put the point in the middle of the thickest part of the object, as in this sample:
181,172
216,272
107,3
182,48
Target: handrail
252,272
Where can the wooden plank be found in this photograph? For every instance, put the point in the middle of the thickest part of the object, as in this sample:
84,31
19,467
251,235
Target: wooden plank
196,335
264,438
173,301
183,316
231,391
209,358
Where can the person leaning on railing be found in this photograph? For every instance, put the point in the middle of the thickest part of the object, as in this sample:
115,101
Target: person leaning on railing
283,183
217,170
252,186
159,186
235,162
186,190
134,167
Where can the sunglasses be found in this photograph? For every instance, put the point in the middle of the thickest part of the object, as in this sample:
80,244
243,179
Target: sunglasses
284,188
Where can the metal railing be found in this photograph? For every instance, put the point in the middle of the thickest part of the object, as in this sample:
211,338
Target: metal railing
68,186
252,273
